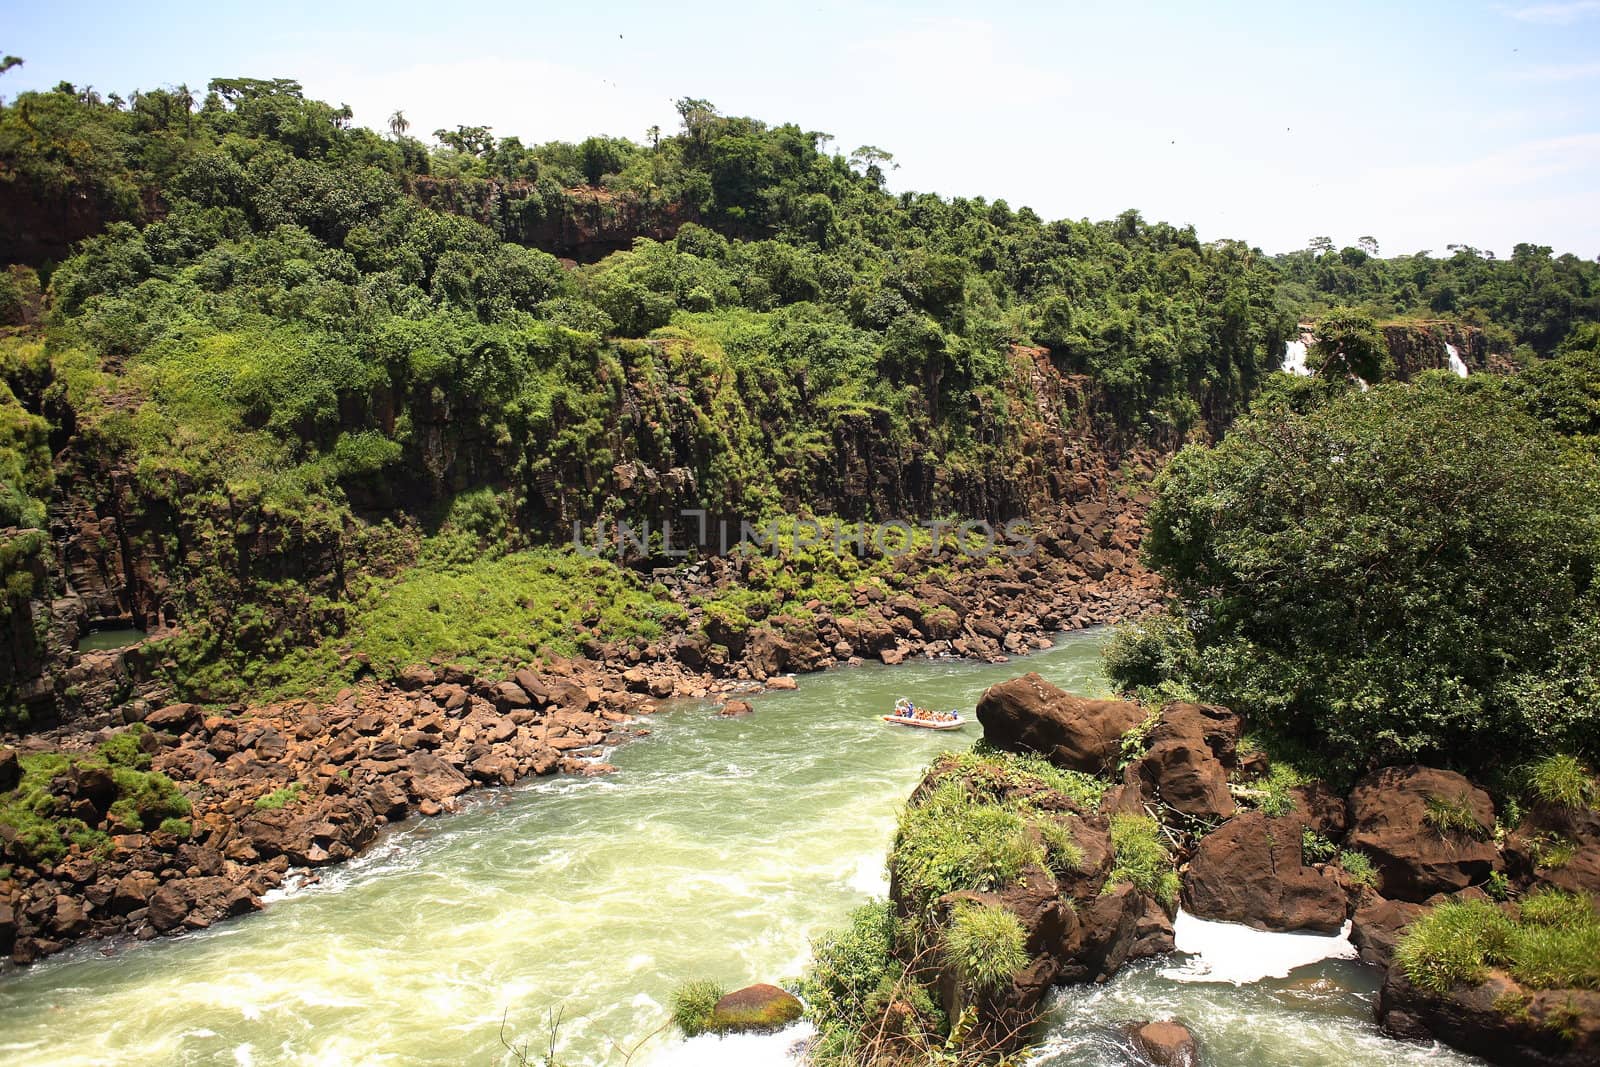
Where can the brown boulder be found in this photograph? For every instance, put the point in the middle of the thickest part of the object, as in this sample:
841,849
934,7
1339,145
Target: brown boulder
174,718
735,709
168,907
1028,714
10,770
495,768
70,919
1392,821
1104,936
133,891
755,1008
1185,775
1378,926
1250,871
1165,1044
509,695
434,779
1217,727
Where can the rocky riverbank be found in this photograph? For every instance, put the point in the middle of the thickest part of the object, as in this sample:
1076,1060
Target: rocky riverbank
1127,816
275,789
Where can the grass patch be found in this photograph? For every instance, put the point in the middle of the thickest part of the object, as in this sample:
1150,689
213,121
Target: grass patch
280,798
1552,943
1451,815
985,943
955,840
488,615
1551,851
1358,866
1142,858
693,1004
1273,793
999,773
1063,854
1562,781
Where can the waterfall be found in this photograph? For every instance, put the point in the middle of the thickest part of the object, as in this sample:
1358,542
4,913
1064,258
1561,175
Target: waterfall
1458,367
1294,359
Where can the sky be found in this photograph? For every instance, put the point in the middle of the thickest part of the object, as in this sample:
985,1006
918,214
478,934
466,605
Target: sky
1420,124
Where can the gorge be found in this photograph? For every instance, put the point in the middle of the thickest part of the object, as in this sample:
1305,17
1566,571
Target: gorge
326,735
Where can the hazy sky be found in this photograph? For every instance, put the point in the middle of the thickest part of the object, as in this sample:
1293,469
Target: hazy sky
1420,124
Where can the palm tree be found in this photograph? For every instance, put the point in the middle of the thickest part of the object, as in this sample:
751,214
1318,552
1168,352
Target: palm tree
398,124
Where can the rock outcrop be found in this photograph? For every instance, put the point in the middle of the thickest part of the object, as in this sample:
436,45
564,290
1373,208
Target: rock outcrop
1252,871
1028,714
1165,1044
1498,1020
1427,831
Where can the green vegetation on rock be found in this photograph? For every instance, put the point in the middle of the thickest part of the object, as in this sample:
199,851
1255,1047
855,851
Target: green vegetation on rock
1549,941
693,1004
36,812
985,944
1142,858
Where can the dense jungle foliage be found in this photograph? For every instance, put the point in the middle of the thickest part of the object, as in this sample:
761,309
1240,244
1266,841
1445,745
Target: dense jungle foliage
291,328
1401,574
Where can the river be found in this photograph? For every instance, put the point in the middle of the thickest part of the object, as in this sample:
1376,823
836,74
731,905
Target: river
717,849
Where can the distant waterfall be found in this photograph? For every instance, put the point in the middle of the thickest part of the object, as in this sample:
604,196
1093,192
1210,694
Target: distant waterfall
1458,367
1294,359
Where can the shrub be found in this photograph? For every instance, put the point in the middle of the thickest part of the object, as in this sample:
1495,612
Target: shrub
1401,575
1314,848
693,1004
847,966
1141,858
985,943
280,798
145,799
1276,797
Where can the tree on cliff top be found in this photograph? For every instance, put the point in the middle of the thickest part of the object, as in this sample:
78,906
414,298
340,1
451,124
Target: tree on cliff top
1403,574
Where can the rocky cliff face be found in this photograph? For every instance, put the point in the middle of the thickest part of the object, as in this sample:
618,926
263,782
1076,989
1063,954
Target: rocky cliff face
162,552
585,225
1418,347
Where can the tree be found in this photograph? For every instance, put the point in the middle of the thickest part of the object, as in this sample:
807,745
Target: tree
398,125
468,140
1349,345
1369,245
698,116
1393,576
1320,245
9,62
